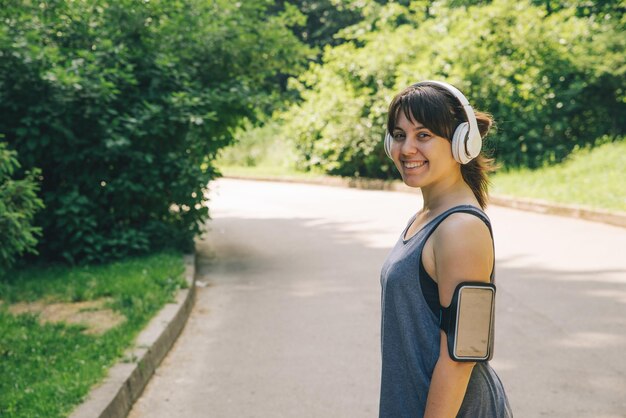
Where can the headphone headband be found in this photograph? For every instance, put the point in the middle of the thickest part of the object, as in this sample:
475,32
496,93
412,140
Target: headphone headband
466,140
474,133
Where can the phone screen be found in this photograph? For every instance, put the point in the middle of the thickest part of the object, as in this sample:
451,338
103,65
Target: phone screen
475,313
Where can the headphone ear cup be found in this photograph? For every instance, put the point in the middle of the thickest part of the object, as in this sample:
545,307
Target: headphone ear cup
458,143
387,144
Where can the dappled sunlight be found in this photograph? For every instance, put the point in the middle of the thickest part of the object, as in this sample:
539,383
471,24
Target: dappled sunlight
365,232
618,295
535,243
537,272
591,340
561,284
503,365
615,385
317,288
341,209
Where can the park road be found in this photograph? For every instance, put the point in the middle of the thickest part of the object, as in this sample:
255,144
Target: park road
288,321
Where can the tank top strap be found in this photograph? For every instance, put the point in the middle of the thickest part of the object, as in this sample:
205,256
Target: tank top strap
462,209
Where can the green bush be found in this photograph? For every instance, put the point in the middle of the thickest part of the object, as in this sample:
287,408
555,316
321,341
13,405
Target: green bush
554,81
123,105
18,205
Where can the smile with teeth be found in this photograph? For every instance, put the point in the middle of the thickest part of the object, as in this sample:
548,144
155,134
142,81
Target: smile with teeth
413,164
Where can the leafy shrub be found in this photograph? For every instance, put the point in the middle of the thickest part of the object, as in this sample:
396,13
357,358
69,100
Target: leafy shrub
123,105
18,205
553,81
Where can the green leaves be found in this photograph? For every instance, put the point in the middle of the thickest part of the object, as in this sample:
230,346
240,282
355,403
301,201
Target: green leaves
123,105
18,204
552,79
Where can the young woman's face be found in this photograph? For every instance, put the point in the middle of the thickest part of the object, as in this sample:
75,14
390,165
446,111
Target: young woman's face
421,156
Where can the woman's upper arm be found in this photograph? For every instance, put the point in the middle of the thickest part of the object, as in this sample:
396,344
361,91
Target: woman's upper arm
463,251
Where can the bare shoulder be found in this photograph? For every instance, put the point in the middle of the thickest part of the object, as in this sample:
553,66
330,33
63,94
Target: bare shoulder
463,230
463,251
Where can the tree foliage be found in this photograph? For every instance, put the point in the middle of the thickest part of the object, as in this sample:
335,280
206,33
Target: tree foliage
123,106
553,80
18,205
324,19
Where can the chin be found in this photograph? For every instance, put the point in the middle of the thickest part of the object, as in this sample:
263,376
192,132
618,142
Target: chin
413,182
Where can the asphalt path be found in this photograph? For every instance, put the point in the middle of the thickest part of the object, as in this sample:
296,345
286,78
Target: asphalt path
287,323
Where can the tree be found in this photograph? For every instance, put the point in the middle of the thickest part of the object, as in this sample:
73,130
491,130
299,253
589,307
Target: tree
554,82
123,105
18,205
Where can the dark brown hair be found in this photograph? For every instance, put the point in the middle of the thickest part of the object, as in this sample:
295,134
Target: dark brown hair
440,112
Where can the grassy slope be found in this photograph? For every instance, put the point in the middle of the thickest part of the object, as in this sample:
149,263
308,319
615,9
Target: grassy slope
593,178
46,370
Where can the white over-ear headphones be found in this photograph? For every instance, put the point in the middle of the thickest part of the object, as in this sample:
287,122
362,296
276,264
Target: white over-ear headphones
466,140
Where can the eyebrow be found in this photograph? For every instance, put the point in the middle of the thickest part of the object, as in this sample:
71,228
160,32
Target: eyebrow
416,127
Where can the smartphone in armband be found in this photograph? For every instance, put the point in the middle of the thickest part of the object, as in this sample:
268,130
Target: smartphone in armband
469,322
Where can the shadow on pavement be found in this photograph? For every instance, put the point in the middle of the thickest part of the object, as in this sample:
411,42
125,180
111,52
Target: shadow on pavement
560,333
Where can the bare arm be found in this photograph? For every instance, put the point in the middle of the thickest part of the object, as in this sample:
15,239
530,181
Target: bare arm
463,251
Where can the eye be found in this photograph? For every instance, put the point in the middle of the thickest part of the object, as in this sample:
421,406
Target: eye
398,136
423,135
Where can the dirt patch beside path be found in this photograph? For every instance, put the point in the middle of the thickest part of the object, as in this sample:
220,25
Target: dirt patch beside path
92,314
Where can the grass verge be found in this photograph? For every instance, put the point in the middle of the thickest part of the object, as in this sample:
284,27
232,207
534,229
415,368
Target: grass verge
47,369
276,171
594,178
589,177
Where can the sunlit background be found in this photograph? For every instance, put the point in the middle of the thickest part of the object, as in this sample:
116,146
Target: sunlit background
117,117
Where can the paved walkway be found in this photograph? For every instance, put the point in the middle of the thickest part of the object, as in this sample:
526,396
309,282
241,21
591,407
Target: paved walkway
288,324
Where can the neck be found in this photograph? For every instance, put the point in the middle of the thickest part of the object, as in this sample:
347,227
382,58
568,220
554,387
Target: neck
449,192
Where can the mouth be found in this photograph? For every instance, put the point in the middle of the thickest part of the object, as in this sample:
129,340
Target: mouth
412,165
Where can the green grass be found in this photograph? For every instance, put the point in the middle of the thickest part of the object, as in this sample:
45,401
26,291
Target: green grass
275,171
593,178
46,370
261,151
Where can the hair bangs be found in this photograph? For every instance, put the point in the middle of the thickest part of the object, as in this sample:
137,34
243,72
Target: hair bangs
424,104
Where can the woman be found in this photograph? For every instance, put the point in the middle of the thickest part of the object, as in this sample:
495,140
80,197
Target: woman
434,139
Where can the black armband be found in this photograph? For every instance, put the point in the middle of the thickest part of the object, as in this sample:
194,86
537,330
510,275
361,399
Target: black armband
469,321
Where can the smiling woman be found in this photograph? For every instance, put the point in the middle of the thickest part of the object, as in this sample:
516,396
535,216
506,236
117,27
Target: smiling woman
434,138
435,112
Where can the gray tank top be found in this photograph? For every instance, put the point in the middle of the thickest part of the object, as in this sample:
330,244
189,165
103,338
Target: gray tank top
410,337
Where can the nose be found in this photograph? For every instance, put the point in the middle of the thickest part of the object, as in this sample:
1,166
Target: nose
409,146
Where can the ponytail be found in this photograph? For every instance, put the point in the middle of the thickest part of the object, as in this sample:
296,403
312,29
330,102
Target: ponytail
475,173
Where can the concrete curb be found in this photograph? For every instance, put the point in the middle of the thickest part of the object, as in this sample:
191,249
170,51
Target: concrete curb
572,211
125,382
531,205
352,182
